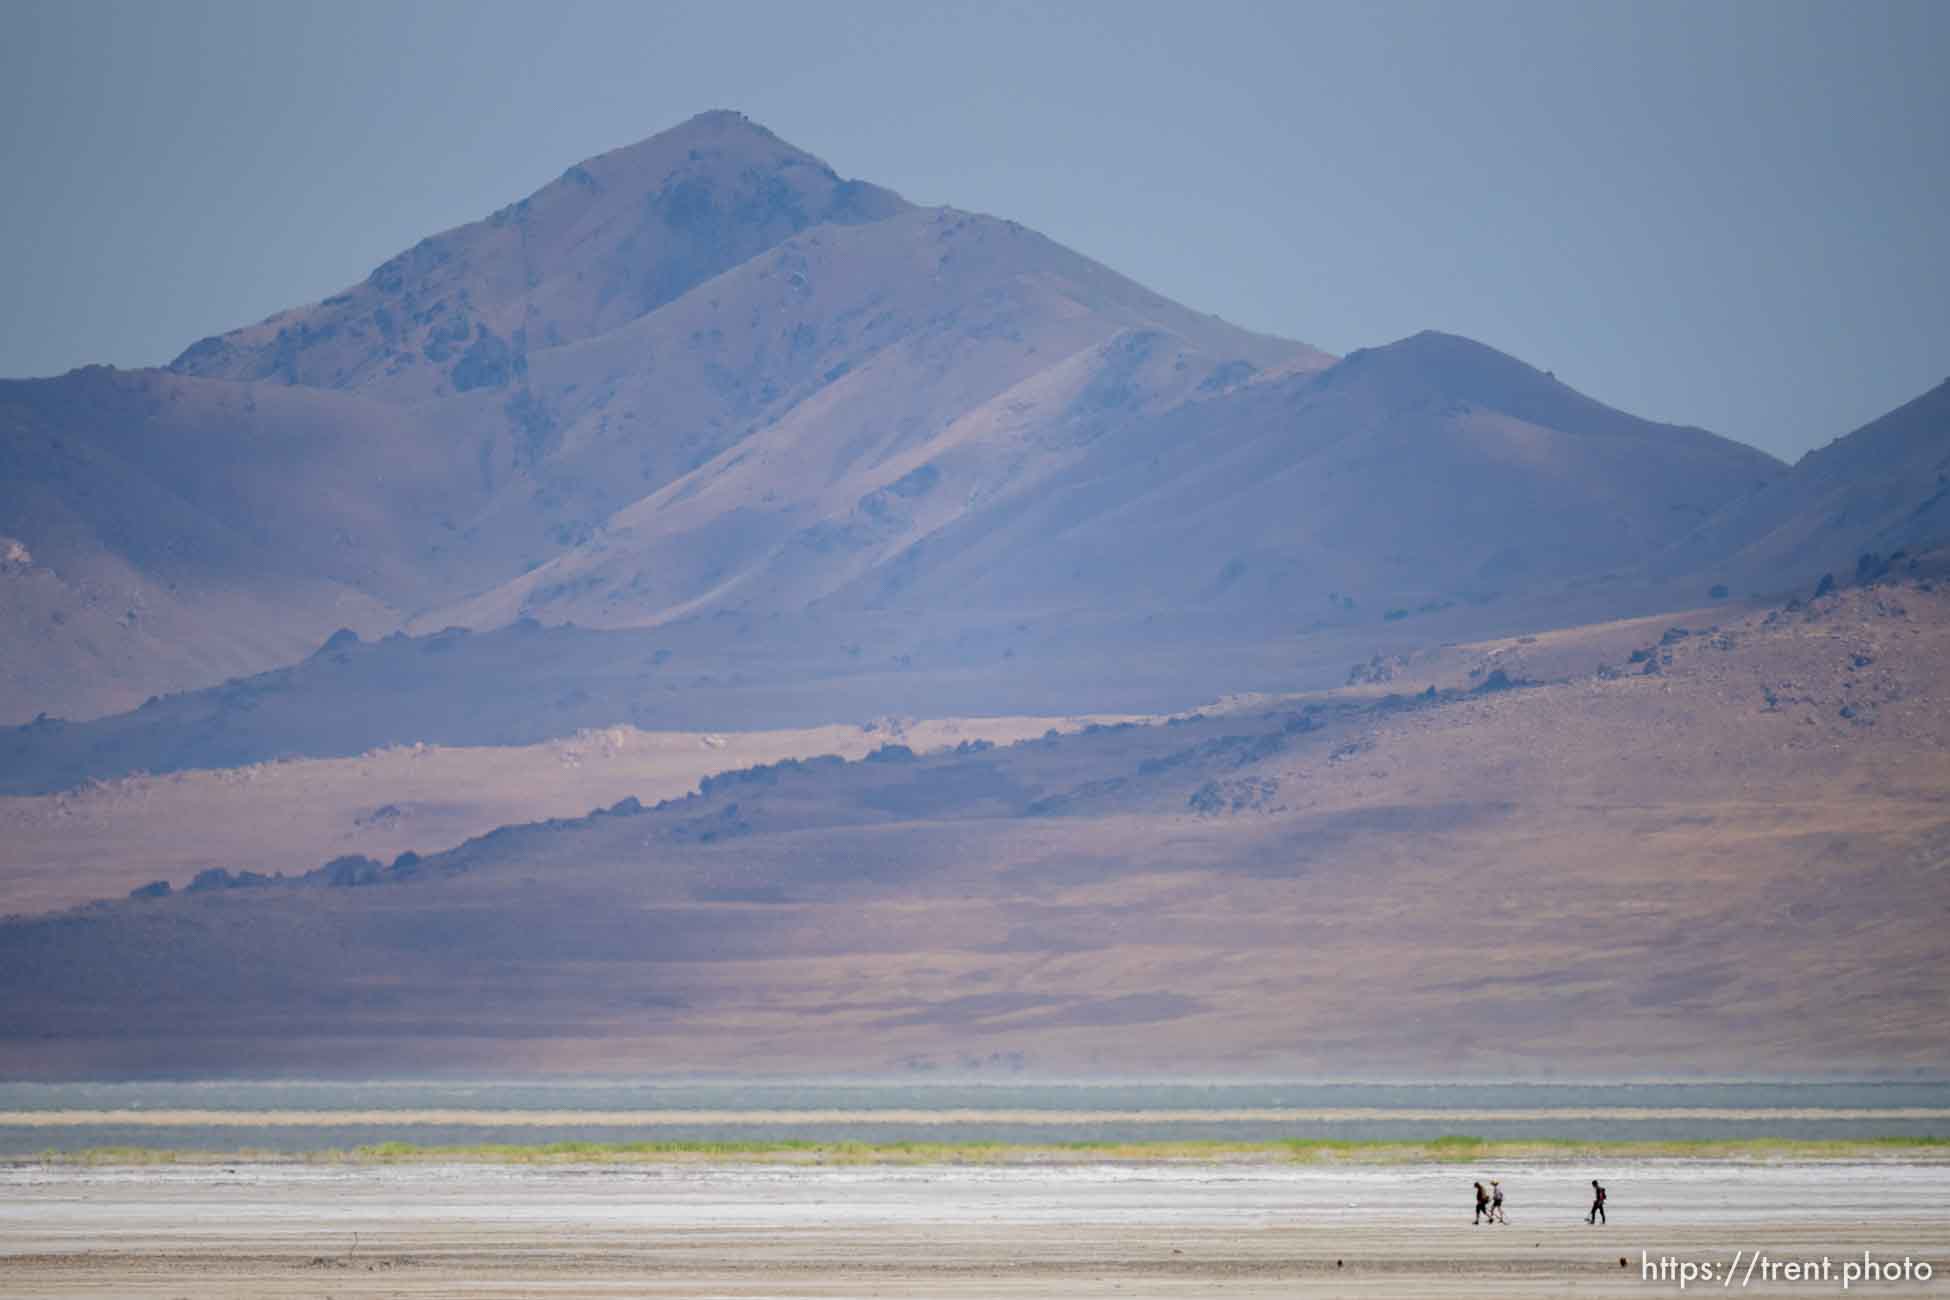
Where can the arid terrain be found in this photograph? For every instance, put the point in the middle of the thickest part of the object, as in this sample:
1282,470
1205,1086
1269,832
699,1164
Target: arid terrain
1092,1231
1719,843
715,614
288,816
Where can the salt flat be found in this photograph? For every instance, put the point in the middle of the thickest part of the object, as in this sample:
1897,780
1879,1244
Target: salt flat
1150,1230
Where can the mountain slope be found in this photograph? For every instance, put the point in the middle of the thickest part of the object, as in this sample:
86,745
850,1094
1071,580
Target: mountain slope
1419,471
1878,490
1731,864
1148,472
174,530
709,432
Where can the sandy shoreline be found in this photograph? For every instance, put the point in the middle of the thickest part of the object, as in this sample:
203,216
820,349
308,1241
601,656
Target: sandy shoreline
1049,1262
453,1231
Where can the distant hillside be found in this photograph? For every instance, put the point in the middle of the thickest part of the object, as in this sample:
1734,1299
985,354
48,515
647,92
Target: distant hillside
1715,847
1426,472
530,682
171,531
1882,489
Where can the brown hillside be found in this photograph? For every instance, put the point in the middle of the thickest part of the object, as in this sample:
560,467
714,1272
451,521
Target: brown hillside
1733,859
286,817
1882,489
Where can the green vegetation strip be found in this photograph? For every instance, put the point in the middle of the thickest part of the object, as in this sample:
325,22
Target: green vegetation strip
1454,1149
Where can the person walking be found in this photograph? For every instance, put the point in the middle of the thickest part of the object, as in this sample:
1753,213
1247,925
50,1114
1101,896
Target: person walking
1482,1205
1496,1203
1597,1214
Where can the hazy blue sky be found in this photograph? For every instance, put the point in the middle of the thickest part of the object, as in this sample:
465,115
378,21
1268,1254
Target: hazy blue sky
1727,214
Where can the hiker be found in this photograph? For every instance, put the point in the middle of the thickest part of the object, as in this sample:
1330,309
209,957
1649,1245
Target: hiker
1482,1204
1496,1202
1597,1204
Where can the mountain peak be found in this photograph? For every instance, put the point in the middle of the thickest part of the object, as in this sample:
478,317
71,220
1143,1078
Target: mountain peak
717,134
613,238
720,121
1446,361
1434,367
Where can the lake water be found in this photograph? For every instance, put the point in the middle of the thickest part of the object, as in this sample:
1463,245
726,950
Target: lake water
309,1115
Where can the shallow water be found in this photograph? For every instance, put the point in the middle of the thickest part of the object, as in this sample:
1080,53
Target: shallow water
629,1094
307,1115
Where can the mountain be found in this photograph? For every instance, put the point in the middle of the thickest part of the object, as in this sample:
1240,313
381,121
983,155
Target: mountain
705,378
683,299
1879,490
